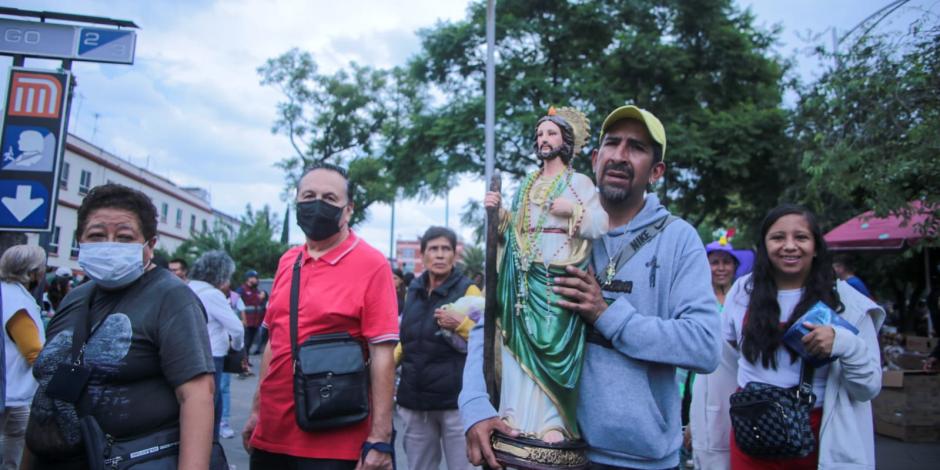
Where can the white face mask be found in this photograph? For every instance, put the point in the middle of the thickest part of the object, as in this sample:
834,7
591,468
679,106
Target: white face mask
112,265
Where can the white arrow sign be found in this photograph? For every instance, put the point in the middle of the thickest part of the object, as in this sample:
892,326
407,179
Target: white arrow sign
23,204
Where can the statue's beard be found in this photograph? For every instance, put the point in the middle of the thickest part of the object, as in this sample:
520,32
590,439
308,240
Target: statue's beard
551,154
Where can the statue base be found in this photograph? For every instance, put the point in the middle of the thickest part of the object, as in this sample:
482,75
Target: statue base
524,453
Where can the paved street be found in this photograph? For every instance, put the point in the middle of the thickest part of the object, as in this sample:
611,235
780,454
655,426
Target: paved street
890,453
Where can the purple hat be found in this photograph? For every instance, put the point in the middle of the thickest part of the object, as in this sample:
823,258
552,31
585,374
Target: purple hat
745,258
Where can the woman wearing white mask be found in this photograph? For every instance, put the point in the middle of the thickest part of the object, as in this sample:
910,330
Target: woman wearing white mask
127,366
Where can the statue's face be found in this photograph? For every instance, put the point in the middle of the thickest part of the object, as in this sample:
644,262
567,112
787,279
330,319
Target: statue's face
549,140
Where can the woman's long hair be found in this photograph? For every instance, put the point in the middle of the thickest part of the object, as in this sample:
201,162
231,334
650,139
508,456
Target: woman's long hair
763,332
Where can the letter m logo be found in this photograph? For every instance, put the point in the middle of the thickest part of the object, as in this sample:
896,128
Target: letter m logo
35,95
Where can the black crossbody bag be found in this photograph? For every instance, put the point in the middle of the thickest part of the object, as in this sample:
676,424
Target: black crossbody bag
773,422
331,377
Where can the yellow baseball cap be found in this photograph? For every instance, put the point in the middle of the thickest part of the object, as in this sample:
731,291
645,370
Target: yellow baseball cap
655,128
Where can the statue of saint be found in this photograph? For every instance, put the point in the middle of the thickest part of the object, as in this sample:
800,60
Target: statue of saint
553,218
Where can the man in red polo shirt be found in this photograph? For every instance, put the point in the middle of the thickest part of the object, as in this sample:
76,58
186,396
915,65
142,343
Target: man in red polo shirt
345,285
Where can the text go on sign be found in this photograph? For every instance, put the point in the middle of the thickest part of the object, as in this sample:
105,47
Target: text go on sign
61,41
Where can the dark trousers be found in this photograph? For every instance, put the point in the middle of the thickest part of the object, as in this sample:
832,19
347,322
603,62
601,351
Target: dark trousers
261,460
262,339
251,332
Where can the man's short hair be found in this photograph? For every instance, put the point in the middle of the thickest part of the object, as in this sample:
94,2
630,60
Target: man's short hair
438,232
117,196
846,261
350,188
181,262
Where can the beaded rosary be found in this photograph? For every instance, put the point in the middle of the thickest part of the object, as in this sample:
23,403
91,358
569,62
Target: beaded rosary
528,247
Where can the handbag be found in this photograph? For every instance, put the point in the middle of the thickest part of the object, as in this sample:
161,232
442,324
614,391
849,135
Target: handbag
773,422
331,380
232,363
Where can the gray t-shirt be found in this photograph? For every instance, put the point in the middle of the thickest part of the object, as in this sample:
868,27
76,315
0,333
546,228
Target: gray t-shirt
154,340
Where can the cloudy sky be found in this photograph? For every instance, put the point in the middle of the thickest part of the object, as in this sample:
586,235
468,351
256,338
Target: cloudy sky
191,107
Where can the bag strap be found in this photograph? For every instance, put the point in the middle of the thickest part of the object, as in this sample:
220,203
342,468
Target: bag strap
294,301
639,241
804,391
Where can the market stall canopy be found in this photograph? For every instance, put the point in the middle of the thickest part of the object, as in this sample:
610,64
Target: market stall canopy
867,232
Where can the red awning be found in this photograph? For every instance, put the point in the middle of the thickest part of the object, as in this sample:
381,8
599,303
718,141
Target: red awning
867,232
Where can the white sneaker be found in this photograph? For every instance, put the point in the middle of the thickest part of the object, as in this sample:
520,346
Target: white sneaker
225,431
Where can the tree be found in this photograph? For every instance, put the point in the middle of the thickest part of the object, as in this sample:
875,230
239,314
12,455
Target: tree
701,66
866,131
331,118
253,246
471,262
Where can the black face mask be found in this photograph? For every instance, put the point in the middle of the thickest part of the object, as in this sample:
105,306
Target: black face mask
318,219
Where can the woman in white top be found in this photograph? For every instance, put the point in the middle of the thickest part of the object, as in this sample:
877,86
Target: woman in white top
21,267
209,274
709,421
793,272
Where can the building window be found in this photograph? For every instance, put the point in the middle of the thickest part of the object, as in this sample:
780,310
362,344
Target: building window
179,218
84,183
64,176
192,223
164,211
205,226
74,252
54,241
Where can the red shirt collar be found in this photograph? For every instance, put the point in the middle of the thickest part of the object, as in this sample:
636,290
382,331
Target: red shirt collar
336,253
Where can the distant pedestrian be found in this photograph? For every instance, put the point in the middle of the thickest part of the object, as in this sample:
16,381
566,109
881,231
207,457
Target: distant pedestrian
793,273
180,268
254,311
21,268
844,266
709,421
209,275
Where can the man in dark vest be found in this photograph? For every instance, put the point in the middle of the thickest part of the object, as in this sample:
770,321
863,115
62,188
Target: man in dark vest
434,348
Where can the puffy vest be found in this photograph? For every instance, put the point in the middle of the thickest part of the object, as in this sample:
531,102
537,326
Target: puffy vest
431,369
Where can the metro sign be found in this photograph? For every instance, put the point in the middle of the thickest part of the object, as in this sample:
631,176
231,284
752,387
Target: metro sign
31,143
35,95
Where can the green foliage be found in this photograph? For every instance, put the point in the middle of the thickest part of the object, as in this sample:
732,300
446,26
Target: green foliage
330,118
472,260
252,246
701,66
867,130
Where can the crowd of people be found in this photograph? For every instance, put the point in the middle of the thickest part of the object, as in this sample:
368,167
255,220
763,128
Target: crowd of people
622,338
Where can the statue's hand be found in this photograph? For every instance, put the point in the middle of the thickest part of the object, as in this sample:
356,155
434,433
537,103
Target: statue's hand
479,448
562,208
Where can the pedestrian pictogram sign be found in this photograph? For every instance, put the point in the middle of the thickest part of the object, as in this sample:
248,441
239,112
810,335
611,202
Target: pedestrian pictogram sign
30,148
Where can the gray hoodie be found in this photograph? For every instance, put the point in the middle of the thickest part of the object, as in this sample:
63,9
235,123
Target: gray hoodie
629,406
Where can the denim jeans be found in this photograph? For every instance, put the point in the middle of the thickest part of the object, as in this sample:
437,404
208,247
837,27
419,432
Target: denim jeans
219,363
13,424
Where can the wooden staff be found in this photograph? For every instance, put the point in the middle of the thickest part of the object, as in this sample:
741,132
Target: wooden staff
491,309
